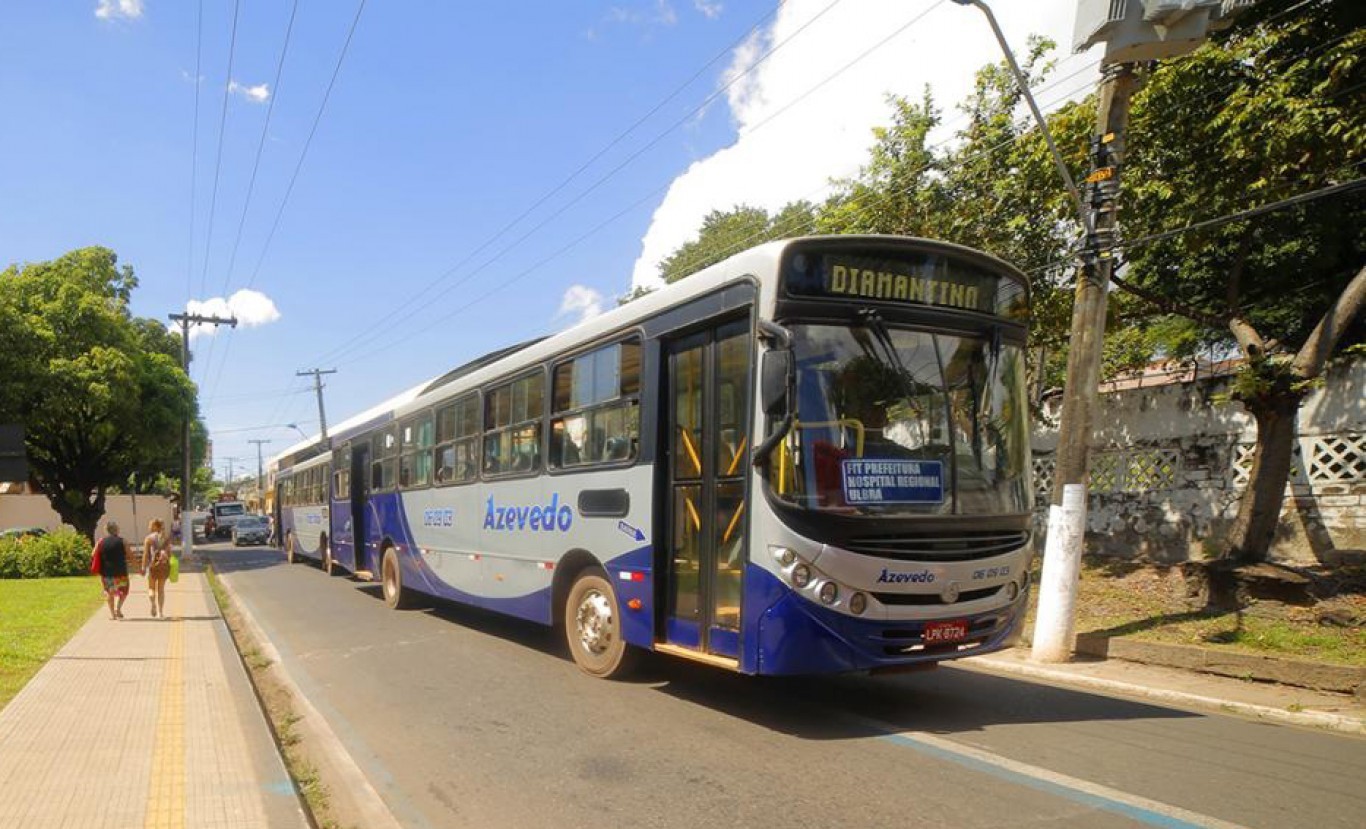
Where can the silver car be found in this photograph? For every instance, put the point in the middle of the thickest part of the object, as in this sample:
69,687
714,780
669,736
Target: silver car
250,529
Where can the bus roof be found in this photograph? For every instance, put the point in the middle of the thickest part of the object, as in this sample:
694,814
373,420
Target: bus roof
759,259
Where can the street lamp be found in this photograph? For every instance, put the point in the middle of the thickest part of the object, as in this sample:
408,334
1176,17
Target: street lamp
296,428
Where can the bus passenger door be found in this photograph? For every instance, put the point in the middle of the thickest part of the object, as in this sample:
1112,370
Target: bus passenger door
360,490
340,536
708,429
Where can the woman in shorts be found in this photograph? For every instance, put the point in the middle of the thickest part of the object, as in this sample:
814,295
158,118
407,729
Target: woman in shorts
113,569
156,564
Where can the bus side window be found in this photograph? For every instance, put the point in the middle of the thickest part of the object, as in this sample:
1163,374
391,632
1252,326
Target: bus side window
595,405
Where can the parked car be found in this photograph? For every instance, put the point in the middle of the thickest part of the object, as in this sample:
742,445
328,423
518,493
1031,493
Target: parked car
23,532
250,529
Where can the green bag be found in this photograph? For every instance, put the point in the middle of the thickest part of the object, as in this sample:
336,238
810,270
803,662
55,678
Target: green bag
175,568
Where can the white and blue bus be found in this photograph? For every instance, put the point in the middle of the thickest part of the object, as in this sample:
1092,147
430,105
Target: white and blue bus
811,457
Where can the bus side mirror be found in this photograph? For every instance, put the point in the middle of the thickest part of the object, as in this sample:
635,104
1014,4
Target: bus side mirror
773,382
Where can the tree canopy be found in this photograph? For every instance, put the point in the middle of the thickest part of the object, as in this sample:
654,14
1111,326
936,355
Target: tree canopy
1273,107
101,393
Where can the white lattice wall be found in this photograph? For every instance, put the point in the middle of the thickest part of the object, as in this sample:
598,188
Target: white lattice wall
1318,459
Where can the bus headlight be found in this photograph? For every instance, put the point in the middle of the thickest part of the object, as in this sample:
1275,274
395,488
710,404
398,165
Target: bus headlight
784,556
1012,590
801,575
829,592
858,603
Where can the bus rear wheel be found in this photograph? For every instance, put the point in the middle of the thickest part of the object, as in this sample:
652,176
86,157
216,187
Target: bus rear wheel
329,566
392,581
289,547
592,626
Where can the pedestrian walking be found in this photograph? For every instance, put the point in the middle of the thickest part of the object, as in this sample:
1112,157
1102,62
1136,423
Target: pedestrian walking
156,564
110,560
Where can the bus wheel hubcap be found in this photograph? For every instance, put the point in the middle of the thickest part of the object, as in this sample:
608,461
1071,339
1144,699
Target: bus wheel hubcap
595,622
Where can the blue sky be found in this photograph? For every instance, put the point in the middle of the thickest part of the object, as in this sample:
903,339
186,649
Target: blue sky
447,122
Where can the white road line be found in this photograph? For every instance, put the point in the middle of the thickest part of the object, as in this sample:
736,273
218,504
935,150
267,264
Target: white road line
1141,809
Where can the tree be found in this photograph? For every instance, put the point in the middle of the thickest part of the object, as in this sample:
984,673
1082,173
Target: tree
1272,108
101,394
724,234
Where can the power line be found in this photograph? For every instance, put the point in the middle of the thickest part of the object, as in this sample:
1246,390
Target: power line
336,70
361,340
194,153
251,188
415,298
261,144
218,162
1251,213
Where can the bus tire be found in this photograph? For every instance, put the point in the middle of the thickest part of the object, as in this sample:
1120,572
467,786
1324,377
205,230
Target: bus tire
329,566
592,626
289,547
391,580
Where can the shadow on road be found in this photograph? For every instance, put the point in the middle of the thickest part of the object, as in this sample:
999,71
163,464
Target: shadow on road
946,700
943,701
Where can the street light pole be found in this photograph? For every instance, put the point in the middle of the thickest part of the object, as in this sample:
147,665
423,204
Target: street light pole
260,479
186,320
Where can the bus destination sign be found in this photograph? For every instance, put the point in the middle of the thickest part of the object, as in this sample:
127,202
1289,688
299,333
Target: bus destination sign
917,279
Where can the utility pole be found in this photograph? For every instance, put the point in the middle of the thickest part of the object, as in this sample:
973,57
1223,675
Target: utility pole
318,387
1055,625
231,469
186,320
260,478
1132,31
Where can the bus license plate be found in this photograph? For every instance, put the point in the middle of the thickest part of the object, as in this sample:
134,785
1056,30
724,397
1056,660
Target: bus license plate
938,633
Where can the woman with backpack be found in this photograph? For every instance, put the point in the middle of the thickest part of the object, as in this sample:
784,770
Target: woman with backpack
156,564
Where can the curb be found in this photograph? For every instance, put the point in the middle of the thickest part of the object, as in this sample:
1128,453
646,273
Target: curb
1316,676
1312,719
371,808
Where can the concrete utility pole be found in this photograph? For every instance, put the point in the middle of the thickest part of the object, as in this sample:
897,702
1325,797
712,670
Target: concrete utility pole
1055,625
231,469
318,387
186,320
260,477
1133,31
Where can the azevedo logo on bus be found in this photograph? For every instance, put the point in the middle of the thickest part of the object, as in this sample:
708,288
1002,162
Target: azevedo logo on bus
552,517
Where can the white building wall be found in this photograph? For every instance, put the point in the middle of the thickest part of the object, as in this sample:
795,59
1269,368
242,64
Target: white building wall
1168,465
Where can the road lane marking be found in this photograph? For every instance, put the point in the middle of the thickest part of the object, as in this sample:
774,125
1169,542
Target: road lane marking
1141,809
166,793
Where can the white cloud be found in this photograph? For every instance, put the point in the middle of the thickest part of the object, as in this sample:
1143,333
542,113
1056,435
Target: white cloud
581,300
251,308
711,11
258,94
781,154
111,9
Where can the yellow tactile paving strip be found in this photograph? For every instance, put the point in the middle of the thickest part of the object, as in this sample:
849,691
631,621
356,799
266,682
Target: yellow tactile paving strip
143,723
166,797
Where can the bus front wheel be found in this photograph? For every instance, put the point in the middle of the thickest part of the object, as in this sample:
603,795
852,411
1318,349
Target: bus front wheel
289,547
592,625
328,565
392,581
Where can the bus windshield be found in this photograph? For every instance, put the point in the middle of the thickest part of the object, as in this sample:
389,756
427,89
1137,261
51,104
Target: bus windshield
892,421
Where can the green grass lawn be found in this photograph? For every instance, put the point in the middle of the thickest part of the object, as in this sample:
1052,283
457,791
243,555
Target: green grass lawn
37,617
1150,604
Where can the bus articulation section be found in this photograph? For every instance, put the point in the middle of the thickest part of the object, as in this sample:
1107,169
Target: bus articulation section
812,457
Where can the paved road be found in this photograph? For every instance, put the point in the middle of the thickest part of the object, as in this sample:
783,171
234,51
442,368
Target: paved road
461,718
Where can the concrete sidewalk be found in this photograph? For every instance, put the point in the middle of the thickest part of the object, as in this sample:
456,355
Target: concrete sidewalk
1186,689
144,723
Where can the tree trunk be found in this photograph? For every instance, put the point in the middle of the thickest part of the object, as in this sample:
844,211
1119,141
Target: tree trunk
77,509
1259,509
